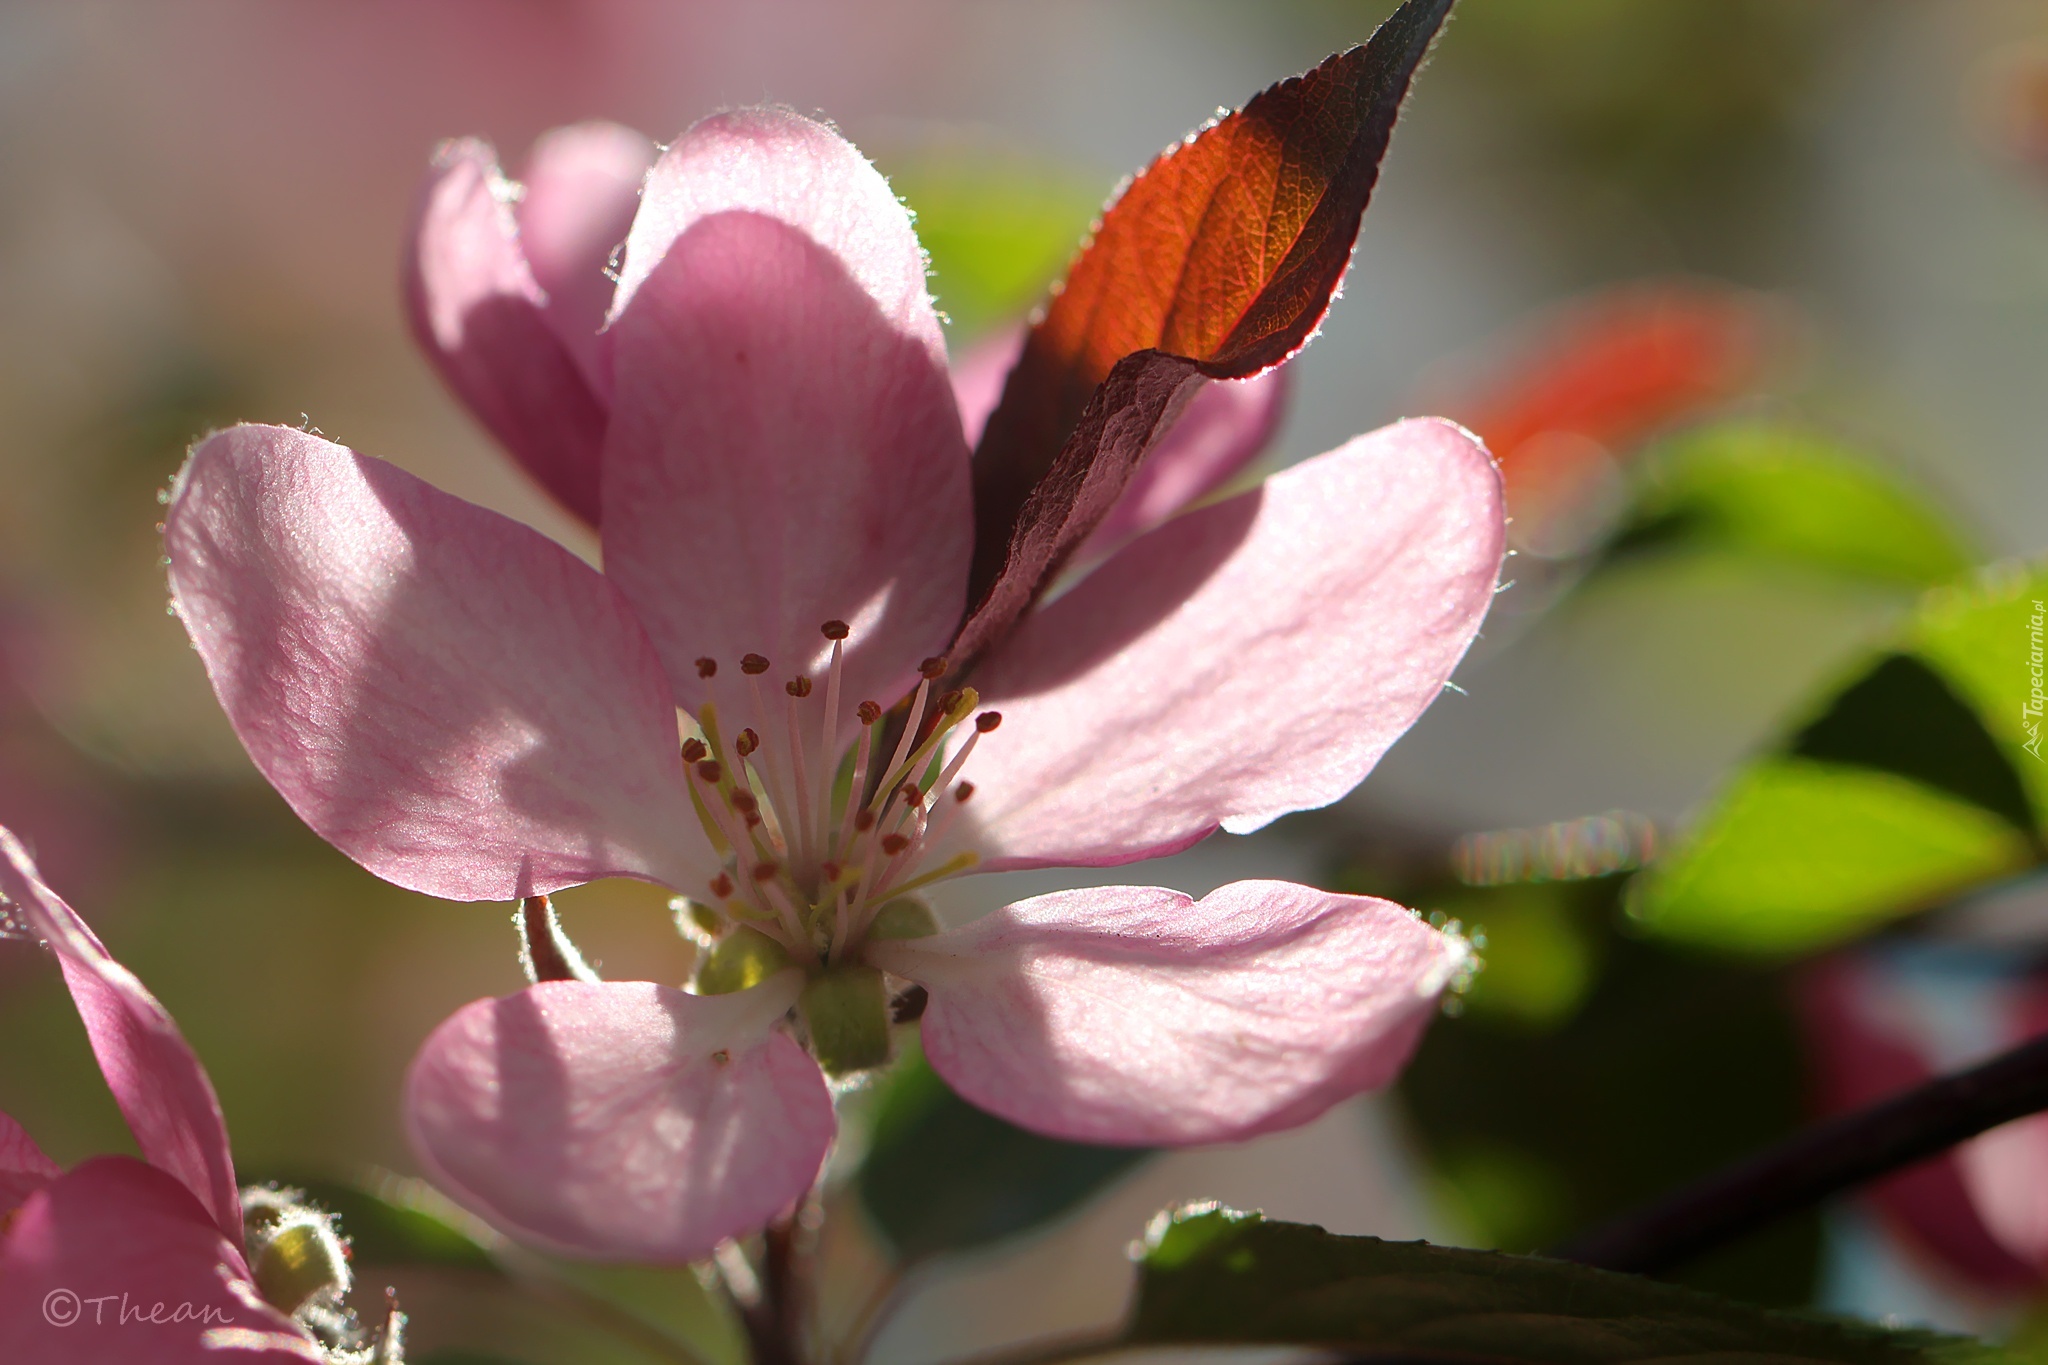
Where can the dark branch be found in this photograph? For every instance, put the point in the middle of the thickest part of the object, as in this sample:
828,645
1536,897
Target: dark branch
1824,1160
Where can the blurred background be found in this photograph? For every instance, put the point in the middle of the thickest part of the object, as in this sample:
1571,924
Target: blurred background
1750,297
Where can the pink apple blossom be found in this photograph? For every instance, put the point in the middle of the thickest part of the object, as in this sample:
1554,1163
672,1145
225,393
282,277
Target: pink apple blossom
765,431
118,1260
1882,1021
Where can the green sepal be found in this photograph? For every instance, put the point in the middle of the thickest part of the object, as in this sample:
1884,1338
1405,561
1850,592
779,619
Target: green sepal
745,957
846,1011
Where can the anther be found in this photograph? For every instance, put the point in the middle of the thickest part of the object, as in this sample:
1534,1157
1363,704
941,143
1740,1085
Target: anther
799,686
693,750
835,630
864,820
949,700
753,665
706,667
934,668
910,794
869,712
963,791
745,742
830,870
893,844
744,802
721,886
987,721
710,770
766,872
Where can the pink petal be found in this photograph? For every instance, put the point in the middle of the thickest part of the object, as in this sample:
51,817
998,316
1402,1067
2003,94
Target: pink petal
160,1086
582,189
784,448
482,318
448,697
24,1168
1226,426
1252,658
1136,1015
115,1263
621,1120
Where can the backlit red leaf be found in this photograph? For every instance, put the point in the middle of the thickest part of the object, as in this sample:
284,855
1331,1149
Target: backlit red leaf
1224,253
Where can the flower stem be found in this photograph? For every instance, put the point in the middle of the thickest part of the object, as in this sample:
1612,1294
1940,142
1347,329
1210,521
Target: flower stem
1826,1159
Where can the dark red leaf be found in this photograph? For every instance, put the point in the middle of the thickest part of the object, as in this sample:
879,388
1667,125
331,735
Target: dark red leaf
1224,254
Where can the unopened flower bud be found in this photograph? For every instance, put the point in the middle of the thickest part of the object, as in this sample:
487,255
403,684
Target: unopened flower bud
295,1256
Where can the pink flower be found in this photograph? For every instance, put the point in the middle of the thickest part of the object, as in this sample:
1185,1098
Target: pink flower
119,1260
765,432
1882,1021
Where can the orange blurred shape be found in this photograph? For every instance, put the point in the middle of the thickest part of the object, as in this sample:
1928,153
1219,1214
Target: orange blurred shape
1582,388
2017,107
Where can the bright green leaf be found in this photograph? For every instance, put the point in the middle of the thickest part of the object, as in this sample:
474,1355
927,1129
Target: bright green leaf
1211,1275
1985,636
1798,854
1794,495
1000,227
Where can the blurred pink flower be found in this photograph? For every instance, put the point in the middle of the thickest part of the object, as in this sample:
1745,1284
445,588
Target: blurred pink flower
766,433
117,1259
1878,1023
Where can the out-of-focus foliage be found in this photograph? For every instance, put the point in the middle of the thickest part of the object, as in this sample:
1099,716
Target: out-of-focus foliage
1907,784
940,1175
1793,495
1213,1275
999,226
1601,1071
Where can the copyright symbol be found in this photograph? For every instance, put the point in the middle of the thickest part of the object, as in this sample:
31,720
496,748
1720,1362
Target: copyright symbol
60,1308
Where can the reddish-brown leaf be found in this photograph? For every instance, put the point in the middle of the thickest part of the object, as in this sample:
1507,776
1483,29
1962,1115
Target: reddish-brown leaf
1223,253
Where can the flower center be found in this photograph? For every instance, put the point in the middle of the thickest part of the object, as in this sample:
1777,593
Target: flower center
820,832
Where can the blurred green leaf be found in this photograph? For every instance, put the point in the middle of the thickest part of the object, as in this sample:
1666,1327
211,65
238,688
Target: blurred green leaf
1793,495
1215,1275
1540,961
386,1232
1911,785
1675,1064
1983,636
1000,227
1797,855
941,1175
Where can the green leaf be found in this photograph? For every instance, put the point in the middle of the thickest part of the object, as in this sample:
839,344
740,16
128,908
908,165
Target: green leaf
941,1175
1799,854
391,1231
1795,496
1212,1275
1985,637
998,225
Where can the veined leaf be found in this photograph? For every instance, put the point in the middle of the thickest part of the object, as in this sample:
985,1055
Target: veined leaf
1212,1275
1218,261
1986,638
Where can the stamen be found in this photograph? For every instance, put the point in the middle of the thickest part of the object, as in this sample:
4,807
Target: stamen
835,630
800,769
869,712
798,687
766,871
934,668
722,887
694,750
753,665
746,742
893,844
711,771
987,721
849,820
963,792
864,820
952,867
707,668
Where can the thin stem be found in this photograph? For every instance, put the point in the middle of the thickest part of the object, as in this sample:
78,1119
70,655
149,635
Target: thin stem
1826,1159
875,1313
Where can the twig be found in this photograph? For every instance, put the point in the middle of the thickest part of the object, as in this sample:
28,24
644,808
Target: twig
1826,1159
